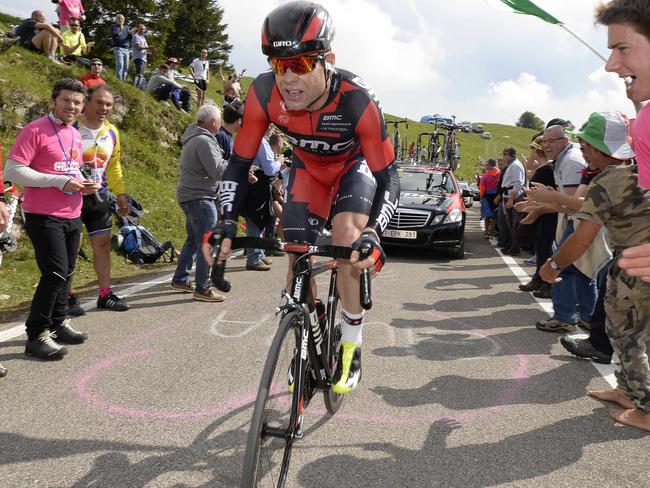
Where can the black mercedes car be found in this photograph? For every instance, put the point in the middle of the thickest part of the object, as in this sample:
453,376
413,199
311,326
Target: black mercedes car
431,212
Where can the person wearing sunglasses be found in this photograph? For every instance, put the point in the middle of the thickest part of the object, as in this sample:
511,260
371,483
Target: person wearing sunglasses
94,78
74,45
343,159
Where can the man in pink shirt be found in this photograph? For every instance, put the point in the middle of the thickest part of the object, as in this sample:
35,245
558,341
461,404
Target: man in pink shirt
45,159
70,9
628,31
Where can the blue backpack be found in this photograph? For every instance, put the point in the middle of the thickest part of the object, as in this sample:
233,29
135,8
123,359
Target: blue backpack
139,246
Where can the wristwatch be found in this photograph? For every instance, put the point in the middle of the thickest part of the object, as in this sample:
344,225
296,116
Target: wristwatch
554,266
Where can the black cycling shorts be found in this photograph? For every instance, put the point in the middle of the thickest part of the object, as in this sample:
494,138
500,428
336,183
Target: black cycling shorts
96,216
316,192
201,84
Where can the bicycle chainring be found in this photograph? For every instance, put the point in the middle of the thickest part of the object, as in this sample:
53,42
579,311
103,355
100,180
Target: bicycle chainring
8,243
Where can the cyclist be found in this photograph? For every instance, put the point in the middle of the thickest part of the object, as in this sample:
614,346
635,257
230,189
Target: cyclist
342,157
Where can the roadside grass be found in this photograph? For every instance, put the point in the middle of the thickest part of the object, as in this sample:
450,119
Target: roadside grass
150,134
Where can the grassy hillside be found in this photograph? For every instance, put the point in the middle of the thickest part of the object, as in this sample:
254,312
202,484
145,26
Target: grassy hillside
150,149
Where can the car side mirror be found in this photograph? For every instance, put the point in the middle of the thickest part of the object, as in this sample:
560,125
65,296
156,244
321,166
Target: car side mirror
467,193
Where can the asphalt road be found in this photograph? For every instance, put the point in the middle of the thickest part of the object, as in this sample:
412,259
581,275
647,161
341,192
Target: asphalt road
459,390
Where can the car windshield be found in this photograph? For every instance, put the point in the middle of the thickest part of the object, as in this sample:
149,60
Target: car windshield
431,181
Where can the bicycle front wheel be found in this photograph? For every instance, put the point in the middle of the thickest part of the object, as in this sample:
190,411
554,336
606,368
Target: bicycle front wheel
268,447
332,399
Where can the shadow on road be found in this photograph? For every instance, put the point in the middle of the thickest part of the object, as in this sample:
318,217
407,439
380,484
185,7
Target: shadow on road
515,458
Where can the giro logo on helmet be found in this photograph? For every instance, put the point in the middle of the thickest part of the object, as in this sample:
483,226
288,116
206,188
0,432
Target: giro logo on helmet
282,43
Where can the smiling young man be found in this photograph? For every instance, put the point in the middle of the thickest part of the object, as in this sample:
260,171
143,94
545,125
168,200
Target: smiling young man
628,31
342,160
45,159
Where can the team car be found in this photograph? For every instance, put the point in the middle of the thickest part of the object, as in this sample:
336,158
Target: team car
431,212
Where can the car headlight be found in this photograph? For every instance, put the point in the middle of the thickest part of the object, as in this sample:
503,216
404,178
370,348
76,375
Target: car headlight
456,215
437,219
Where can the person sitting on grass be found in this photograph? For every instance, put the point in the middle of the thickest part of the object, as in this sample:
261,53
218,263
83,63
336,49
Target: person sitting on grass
74,45
616,201
37,35
164,88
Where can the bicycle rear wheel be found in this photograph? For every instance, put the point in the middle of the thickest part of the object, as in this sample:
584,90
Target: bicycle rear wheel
332,399
268,448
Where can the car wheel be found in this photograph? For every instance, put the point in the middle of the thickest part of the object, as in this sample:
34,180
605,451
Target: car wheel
459,251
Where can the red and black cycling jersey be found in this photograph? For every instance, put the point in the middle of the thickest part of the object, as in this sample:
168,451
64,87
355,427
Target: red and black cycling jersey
349,125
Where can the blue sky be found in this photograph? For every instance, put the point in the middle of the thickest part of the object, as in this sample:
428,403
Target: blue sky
472,58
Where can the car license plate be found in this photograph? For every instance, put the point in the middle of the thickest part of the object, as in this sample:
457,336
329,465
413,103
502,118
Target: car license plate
401,234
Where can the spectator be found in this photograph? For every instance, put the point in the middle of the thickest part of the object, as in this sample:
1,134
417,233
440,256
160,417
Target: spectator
74,44
120,42
277,191
4,220
231,86
201,169
67,10
200,71
543,226
37,35
93,78
616,201
45,159
488,191
503,240
101,151
164,88
258,207
627,24
576,289
232,116
140,49
513,183
172,62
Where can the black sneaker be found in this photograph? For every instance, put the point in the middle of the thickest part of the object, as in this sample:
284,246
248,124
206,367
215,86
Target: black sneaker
532,285
64,332
112,302
3,371
74,309
585,349
44,347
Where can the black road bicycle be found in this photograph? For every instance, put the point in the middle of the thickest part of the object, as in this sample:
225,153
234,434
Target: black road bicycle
398,144
301,361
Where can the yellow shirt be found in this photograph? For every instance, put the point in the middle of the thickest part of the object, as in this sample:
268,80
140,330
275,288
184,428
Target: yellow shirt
70,39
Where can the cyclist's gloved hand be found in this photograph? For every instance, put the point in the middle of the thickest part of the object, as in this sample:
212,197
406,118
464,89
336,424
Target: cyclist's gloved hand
213,240
369,248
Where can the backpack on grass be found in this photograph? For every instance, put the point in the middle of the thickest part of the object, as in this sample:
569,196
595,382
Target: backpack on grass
139,246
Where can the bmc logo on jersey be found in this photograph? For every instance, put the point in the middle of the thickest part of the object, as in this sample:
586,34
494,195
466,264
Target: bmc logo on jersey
321,146
330,117
282,43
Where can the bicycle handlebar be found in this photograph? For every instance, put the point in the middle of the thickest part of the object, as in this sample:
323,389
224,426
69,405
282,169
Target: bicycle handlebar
340,252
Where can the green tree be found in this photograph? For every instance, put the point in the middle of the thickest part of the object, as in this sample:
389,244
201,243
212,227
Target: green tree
159,16
529,120
199,25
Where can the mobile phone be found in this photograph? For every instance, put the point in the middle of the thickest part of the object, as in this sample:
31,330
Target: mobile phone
88,183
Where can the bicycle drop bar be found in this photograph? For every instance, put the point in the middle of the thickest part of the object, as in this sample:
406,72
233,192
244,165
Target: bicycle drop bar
340,252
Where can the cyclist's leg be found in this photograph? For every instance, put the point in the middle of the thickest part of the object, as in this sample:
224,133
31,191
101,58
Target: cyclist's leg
306,208
352,206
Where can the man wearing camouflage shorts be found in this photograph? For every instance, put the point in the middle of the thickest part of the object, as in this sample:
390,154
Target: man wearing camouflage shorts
615,200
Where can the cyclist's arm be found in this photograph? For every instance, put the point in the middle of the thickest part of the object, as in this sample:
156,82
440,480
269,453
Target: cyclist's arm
114,177
234,186
380,156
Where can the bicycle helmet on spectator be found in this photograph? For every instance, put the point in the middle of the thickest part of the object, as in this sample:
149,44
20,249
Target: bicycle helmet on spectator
297,28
